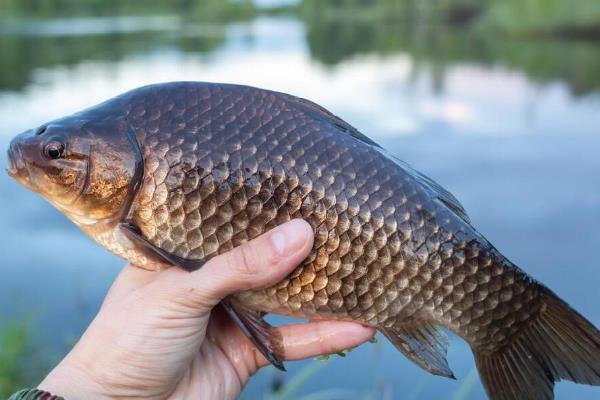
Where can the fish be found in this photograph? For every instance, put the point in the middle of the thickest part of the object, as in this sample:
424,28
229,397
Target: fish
174,174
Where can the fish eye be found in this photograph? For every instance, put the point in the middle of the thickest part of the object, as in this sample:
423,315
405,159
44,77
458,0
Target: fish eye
54,150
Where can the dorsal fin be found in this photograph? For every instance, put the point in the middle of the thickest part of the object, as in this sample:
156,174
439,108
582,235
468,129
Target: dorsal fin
324,115
435,188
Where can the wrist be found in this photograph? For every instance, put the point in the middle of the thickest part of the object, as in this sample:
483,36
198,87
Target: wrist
71,383
33,394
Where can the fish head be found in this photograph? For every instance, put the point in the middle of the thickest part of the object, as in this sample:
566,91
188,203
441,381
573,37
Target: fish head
86,165
45,161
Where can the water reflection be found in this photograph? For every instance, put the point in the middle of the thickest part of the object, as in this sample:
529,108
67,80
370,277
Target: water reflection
28,45
439,47
405,91
511,128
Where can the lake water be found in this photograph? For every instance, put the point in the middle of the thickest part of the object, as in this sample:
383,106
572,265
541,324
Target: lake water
512,129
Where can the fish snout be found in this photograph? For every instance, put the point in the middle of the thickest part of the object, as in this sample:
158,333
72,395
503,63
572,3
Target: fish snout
16,163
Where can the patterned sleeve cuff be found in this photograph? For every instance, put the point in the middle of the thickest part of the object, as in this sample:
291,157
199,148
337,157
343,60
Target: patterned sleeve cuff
33,394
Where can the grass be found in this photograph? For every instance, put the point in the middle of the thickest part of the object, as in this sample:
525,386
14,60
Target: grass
22,361
14,349
463,391
297,383
13,346
292,388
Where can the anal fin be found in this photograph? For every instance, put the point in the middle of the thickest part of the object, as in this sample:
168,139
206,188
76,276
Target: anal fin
133,233
266,339
422,343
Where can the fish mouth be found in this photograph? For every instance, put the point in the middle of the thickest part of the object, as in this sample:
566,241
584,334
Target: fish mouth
12,162
16,166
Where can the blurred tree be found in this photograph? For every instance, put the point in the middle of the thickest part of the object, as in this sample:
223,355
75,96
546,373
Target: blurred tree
436,33
22,53
209,10
441,33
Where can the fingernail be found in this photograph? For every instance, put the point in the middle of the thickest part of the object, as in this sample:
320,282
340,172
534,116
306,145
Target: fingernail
288,237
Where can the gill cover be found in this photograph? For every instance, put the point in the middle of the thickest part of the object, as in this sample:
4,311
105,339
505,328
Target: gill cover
114,171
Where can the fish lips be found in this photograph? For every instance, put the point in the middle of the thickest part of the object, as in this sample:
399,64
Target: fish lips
17,167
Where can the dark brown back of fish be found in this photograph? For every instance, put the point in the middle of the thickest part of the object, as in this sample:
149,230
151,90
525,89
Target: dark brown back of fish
225,163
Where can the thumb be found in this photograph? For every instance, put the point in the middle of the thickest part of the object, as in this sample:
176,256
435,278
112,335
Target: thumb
258,263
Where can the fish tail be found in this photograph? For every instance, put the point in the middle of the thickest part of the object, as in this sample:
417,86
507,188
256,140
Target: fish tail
558,344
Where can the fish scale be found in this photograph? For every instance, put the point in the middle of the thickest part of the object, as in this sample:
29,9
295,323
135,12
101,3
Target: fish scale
178,173
219,175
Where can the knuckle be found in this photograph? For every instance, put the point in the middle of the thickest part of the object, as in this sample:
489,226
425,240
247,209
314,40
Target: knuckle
251,258
246,260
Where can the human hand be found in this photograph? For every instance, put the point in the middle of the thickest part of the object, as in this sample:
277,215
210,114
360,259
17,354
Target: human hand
160,335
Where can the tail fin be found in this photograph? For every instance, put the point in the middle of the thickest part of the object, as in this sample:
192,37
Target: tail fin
559,344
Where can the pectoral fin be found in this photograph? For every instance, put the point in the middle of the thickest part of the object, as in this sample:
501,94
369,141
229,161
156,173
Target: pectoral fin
133,233
423,344
266,339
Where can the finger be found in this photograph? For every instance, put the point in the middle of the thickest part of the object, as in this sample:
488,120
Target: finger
320,337
258,263
303,340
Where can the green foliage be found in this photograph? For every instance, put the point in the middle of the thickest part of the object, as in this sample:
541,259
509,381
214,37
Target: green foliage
435,44
515,17
13,343
436,34
21,365
290,389
208,10
511,16
22,54
538,17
